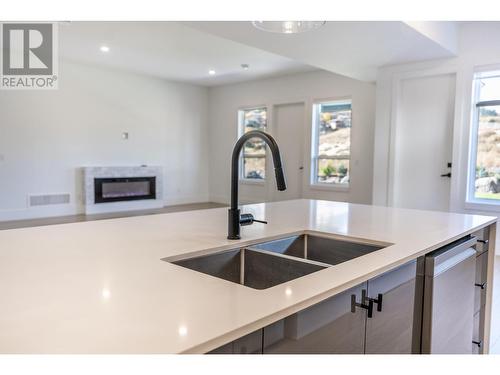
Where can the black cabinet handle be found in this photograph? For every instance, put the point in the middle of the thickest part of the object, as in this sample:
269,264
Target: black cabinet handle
482,286
478,343
483,241
446,174
377,301
368,307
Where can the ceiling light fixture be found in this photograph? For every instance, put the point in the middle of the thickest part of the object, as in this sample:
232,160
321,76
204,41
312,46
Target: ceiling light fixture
211,72
104,49
183,331
287,27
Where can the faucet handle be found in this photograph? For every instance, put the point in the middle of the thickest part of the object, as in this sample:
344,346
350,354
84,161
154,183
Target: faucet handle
248,219
260,221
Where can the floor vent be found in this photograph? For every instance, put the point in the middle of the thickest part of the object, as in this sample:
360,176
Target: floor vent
48,199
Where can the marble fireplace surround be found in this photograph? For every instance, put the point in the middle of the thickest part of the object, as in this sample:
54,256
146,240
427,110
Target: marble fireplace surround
90,173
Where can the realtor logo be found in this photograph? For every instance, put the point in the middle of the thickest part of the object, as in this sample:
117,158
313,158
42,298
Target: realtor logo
29,59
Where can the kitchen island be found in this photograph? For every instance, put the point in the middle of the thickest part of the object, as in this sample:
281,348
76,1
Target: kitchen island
105,287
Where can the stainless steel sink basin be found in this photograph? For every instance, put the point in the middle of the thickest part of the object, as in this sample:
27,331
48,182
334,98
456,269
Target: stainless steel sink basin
253,268
317,248
271,263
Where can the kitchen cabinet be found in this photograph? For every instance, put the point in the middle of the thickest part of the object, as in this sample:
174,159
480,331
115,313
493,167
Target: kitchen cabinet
386,314
481,287
382,320
480,281
331,326
377,316
394,327
479,303
477,337
249,344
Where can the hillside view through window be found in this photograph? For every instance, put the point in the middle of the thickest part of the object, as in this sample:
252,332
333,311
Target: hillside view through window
332,142
486,132
254,152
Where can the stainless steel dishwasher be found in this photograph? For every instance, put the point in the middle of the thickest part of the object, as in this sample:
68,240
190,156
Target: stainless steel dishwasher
448,276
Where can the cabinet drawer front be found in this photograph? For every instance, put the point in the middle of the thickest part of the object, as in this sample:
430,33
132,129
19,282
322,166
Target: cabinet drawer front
482,235
327,327
481,277
475,334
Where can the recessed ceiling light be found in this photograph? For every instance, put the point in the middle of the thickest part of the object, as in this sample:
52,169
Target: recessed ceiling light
106,293
245,66
183,331
104,49
211,72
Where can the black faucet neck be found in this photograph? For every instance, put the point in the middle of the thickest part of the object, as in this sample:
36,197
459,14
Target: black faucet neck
233,224
234,212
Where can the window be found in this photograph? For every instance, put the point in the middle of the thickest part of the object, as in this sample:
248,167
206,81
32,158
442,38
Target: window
484,175
253,159
331,148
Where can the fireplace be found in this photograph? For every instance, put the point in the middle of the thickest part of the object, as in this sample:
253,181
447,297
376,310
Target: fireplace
120,189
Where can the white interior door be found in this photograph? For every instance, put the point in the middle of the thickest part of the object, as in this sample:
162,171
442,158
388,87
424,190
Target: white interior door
423,143
288,128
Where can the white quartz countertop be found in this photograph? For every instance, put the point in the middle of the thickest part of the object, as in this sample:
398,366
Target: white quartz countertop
101,286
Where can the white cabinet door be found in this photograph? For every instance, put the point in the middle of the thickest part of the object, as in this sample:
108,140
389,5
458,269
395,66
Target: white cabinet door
329,327
391,329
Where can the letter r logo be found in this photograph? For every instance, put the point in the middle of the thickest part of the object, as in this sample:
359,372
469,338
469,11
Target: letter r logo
27,49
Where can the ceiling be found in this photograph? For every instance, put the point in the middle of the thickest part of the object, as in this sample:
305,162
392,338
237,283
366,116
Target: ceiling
186,51
352,48
170,50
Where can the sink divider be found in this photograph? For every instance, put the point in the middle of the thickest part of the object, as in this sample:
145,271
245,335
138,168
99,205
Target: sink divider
242,266
305,246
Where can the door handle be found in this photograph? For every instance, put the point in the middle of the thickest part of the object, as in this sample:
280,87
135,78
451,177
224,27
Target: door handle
377,301
478,343
368,307
482,285
446,175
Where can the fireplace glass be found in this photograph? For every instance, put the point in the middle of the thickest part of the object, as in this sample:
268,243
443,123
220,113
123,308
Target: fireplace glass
124,189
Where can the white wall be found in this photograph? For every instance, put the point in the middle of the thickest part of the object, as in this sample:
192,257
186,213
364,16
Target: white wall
477,47
224,102
46,135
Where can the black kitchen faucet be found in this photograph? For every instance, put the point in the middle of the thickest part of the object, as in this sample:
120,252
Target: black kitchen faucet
235,220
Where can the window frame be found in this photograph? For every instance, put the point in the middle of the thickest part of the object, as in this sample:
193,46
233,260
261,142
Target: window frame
471,201
315,156
241,131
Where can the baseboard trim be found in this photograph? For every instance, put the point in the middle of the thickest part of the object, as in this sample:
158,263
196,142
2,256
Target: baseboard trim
40,212
76,209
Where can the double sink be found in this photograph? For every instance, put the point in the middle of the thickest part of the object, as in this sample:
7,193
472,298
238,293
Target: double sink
266,264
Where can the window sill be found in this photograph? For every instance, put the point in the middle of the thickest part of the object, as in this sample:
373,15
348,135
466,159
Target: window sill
249,181
483,205
330,187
